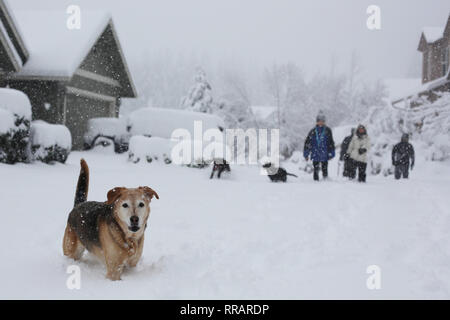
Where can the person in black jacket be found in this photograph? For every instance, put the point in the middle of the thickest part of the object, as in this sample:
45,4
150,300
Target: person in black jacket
319,146
403,157
344,156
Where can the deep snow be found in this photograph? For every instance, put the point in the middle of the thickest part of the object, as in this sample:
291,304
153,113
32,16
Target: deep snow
240,237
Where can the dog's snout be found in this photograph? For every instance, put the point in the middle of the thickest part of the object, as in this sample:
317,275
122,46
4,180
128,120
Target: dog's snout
134,219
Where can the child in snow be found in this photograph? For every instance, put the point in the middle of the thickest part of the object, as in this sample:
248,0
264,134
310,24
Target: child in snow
403,157
319,144
344,156
358,150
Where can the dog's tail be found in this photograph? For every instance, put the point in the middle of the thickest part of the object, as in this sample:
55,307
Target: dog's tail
291,174
83,184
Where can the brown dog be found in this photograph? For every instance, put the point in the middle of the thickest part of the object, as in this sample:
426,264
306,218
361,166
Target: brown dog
112,230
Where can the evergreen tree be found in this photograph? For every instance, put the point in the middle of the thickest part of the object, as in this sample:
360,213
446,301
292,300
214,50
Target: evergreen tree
199,97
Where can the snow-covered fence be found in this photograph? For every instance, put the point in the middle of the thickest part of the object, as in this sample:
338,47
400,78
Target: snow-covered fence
112,129
15,117
50,142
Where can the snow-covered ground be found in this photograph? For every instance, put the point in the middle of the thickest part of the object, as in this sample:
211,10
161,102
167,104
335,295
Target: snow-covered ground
240,237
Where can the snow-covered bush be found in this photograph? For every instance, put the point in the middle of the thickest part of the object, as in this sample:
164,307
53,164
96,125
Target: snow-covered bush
50,142
428,125
202,153
15,117
162,122
149,149
113,129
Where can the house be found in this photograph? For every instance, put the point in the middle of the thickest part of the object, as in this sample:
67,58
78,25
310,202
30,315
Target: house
69,75
434,44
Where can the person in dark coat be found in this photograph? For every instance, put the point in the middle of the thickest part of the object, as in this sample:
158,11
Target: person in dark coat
319,145
403,157
344,156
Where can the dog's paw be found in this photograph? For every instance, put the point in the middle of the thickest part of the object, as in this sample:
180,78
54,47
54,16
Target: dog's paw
113,276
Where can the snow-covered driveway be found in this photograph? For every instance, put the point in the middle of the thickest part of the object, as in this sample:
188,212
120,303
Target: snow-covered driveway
240,237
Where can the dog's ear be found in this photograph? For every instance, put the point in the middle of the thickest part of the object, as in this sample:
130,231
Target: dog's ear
114,194
149,192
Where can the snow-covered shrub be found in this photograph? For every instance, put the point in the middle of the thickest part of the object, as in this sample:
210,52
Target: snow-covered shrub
204,155
161,122
15,117
113,129
149,149
428,125
50,142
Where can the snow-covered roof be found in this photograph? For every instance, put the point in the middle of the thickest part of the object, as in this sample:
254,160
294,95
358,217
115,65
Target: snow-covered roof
55,50
5,37
12,31
433,34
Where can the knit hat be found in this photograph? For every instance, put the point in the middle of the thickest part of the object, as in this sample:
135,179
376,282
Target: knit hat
405,137
321,117
359,129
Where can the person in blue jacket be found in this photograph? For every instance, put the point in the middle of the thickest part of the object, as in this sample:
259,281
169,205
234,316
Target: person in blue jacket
319,146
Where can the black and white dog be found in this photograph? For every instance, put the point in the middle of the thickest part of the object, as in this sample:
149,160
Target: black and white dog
220,165
277,174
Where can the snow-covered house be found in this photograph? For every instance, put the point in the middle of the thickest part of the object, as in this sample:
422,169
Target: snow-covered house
69,75
434,44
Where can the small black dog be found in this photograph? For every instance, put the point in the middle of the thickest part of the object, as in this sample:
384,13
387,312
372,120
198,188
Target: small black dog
279,174
220,165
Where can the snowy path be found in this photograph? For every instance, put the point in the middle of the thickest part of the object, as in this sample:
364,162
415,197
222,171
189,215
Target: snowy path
241,237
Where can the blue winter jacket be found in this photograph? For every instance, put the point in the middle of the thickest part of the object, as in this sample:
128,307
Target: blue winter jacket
319,144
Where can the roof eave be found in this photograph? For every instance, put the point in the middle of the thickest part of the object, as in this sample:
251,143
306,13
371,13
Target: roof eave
422,43
447,27
133,93
19,77
15,34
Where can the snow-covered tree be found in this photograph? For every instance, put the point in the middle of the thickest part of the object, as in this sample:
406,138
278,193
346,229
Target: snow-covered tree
235,101
199,97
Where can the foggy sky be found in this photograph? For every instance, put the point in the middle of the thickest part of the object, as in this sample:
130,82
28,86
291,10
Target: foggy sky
310,33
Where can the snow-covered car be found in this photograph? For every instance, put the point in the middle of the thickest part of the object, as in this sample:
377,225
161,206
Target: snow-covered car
104,131
162,122
49,142
15,117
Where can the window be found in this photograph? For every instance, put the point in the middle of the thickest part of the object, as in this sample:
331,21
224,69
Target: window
445,60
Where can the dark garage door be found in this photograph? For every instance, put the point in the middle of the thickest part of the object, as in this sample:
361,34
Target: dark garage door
78,111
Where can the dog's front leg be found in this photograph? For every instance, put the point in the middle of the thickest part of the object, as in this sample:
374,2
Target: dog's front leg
134,259
114,270
115,263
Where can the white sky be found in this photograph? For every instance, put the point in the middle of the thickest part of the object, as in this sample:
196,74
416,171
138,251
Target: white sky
308,32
